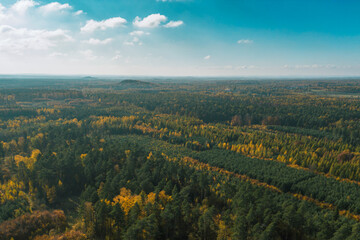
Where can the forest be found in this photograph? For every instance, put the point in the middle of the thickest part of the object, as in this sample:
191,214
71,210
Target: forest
93,158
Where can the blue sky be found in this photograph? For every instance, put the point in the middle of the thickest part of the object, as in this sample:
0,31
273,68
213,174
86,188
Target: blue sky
181,38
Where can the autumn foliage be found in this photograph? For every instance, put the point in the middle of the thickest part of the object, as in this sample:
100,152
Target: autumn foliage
32,224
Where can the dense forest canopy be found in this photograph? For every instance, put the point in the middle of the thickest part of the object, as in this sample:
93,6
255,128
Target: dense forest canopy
95,158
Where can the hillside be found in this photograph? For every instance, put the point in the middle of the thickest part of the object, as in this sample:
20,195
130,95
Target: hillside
134,84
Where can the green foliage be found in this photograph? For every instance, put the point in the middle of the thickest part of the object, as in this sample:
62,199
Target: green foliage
265,160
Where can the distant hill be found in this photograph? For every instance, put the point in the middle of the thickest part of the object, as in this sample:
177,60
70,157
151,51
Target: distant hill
89,78
129,83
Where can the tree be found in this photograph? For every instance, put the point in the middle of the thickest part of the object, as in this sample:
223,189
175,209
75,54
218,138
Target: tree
206,224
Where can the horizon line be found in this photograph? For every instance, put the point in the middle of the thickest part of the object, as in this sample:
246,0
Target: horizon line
43,75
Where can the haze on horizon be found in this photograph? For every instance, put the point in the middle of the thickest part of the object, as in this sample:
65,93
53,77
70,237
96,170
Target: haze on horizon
180,37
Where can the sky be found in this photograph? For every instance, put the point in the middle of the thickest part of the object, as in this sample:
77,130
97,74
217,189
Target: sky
180,37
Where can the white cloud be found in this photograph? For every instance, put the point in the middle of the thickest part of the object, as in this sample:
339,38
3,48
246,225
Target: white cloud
138,33
133,42
128,43
173,24
151,21
207,57
245,41
21,6
79,12
2,8
245,67
88,54
54,7
232,68
18,13
94,41
17,40
93,25
2,13
313,66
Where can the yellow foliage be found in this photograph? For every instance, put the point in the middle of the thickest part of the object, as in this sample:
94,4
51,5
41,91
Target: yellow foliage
127,153
164,198
151,197
150,155
73,121
100,122
35,153
28,161
128,200
11,190
82,157
46,110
